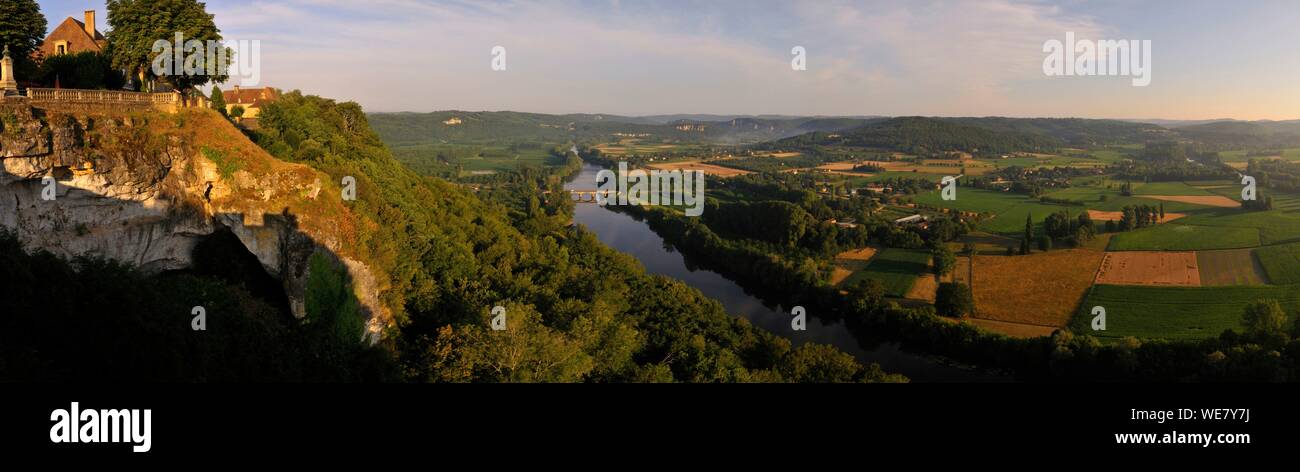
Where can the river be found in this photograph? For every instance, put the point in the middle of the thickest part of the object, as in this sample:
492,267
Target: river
626,234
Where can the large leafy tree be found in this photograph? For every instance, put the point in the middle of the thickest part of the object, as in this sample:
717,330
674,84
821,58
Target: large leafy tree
22,28
138,24
1264,317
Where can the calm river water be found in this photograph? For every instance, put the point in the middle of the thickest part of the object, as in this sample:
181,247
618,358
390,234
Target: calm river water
626,234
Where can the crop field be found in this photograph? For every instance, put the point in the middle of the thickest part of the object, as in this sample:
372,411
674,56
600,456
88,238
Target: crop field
1012,209
1040,289
866,179
1280,225
636,146
849,262
1185,237
709,169
1168,189
1281,262
1150,268
897,269
1109,155
428,158
1175,312
978,200
1234,267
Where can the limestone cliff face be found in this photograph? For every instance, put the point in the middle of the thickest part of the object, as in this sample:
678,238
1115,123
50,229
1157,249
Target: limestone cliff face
145,188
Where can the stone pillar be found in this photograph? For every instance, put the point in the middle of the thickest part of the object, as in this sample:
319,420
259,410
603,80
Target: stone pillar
8,86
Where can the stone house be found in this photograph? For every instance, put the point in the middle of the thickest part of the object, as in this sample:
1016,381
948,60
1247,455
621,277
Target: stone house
72,37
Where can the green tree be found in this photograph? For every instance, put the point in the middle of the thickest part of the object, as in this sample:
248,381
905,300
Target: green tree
1264,317
867,294
22,28
942,260
820,363
138,24
83,70
237,111
954,299
218,100
1029,227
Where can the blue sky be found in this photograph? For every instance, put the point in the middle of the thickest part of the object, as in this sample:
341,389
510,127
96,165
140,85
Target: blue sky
1211,59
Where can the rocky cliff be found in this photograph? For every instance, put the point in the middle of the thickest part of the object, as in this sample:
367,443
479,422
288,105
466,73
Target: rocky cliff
144,188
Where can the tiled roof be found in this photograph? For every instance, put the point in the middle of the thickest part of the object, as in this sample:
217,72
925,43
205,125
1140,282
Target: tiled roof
249,97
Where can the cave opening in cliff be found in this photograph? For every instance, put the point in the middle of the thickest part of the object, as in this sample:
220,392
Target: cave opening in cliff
223,256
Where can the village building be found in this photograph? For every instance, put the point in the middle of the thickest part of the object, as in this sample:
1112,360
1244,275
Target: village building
251,100
72,37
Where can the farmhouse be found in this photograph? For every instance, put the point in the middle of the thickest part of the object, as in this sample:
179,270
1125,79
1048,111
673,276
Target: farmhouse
251,100
72,37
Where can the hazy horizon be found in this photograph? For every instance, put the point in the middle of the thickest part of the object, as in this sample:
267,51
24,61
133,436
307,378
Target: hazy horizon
1210,61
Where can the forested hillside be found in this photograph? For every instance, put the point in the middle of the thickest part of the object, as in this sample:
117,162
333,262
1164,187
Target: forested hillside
929,135
576,310
1073,131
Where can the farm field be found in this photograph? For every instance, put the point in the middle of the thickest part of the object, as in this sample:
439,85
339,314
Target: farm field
1040,289
1218,201
1117,216
1011,209
1234,267
1015,330
938,167
473,158
896,269
1281,263
1150,268
1175,312
848,262
1168,189
1277,226
1185,237
709,169
635,146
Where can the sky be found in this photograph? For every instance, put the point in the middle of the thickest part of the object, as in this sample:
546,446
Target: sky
1210,59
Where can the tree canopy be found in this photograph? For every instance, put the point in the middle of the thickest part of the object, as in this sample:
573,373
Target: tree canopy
22,28
138,24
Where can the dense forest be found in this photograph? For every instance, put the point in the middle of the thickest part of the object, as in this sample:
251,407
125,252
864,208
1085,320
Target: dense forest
919,135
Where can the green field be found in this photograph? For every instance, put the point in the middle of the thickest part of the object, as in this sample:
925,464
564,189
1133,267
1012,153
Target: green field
897,269
1182,237
1011,209
1280,225
434,159
1109,155
1281,262
1175,312
1167,188
1230,267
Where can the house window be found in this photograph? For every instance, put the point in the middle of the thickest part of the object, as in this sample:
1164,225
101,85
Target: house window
61,47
